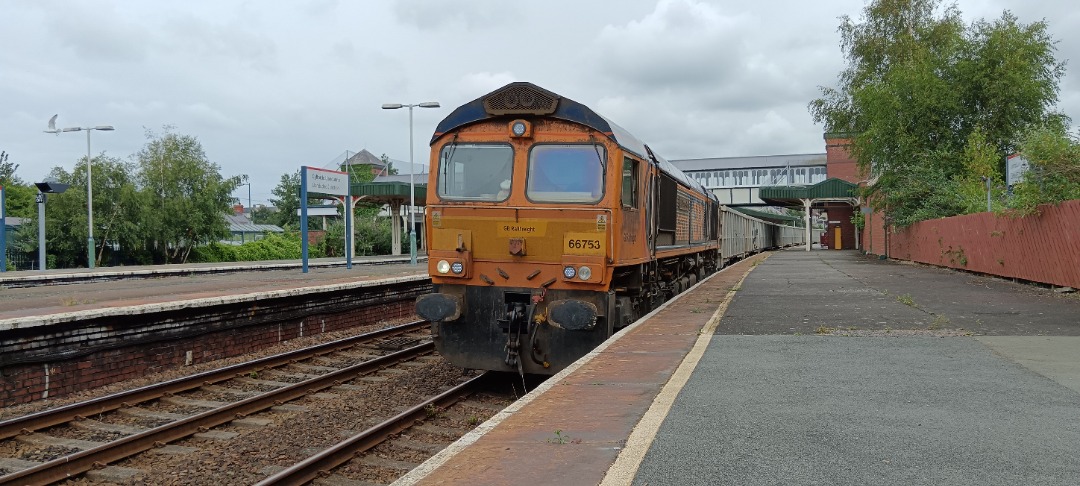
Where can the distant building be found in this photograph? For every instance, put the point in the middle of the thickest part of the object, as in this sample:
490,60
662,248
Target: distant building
737,180
242,230
366,161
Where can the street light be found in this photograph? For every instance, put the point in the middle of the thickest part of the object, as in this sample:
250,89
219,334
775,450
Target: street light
412,189
49,186
89,186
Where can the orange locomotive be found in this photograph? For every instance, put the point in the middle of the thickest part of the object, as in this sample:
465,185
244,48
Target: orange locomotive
550,228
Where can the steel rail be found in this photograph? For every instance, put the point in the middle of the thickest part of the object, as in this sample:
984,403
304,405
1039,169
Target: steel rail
322,463
29,423
80,462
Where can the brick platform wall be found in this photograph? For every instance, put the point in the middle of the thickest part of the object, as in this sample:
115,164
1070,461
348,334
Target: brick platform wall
87,354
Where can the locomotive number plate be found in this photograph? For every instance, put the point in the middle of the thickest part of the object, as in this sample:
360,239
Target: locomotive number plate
583,244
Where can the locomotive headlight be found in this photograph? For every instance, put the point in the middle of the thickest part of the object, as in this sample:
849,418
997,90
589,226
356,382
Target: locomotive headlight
518,128
457,268
584,273
443,266
569,272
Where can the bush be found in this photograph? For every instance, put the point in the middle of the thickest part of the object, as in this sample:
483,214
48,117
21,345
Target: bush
270,247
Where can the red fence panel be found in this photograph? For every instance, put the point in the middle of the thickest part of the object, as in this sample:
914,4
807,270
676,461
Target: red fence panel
1043,248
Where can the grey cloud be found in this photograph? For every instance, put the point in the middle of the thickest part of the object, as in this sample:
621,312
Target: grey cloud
471,15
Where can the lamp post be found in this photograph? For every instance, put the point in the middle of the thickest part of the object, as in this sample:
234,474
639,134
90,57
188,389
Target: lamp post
89,186
412,189
47,187
249,208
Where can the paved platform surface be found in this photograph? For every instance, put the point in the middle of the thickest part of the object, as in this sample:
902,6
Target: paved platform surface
825,368
171,283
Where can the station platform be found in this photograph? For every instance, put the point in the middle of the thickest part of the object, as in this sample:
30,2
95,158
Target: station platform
796,367
32,296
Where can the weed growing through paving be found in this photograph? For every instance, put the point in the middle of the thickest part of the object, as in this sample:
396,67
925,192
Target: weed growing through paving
736,288
696,311
560,438
824,330
939,322
906,300
473,420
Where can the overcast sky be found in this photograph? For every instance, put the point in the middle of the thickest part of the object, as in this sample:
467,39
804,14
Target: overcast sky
269,86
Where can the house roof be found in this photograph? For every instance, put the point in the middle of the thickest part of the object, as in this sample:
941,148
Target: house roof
241,224
363,157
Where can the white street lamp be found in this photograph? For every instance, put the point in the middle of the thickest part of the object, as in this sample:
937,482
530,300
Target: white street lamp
89,186
412,189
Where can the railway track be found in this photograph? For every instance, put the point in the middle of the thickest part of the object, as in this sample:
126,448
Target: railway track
192,405
349,452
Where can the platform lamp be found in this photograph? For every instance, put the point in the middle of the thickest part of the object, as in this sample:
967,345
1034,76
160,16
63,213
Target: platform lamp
89,187
412,188
49,186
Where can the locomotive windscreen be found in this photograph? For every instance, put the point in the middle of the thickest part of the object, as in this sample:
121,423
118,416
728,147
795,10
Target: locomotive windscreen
475,172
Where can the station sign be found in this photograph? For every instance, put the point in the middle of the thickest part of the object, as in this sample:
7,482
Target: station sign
322,181
1015,168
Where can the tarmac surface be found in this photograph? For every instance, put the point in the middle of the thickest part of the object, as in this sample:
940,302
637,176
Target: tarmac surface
899,387
118,287
823,367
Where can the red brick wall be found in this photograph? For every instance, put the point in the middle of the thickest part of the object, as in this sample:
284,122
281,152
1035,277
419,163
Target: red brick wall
1043,248
872,238
839,163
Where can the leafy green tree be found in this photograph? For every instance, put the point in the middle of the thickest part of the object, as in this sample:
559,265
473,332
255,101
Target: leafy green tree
918,86
263,215
18,195
1053,174
117,209
186,195
287,202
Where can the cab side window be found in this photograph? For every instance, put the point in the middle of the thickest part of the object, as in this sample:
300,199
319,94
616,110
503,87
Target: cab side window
629,183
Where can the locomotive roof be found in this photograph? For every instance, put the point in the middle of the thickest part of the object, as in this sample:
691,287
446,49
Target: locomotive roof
522,98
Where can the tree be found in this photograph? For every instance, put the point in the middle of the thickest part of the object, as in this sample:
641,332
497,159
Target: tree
920,90
117,212
287,201
1053,174
18,196
187,197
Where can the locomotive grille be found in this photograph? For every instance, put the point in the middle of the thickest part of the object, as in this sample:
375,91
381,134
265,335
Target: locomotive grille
521,99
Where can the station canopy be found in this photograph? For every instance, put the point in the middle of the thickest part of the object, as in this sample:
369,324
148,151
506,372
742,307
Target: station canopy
828,190
389,192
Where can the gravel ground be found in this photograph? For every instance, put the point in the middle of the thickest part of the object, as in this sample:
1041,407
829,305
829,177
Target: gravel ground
292,434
